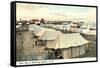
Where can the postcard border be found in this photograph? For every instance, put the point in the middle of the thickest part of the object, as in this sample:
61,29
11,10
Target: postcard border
13,32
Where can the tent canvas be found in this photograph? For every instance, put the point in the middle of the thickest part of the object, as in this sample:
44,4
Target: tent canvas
63,40
67,53
82,49
72,43
69,40
73,52
49,35
38,30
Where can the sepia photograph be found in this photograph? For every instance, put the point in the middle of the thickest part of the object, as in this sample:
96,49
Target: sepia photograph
52,33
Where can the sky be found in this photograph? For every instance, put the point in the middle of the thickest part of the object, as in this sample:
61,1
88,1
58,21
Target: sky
28,11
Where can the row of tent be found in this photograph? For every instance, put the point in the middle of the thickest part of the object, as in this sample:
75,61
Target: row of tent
72,44
86,29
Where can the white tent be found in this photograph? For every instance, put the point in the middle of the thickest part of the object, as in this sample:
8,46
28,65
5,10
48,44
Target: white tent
49,35
38,30
64,40
51,38
74,44
91,32
71,44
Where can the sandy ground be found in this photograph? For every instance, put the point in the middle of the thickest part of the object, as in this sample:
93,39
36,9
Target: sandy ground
29,50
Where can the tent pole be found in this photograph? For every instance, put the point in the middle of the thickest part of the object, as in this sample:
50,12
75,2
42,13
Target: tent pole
79,50
87,46
71,52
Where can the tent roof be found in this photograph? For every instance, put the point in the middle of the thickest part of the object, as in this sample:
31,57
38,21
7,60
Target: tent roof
35,28
69,40
91,32
38,30
49,35
40,33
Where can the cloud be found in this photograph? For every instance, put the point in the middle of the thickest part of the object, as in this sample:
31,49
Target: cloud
54,12
59,14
